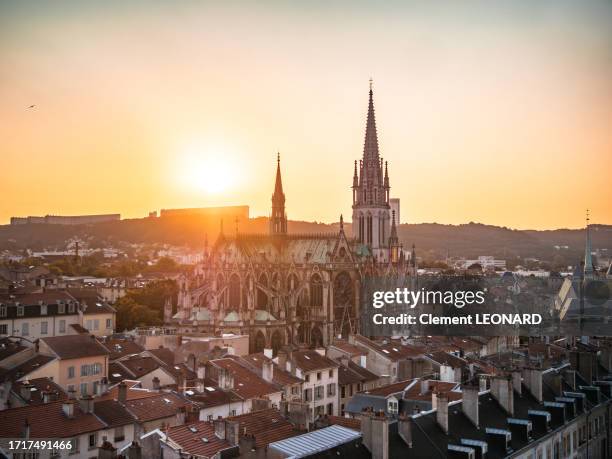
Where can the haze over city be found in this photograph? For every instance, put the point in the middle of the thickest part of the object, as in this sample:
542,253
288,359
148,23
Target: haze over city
496,112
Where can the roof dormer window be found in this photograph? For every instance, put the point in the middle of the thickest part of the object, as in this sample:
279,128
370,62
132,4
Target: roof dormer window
20,310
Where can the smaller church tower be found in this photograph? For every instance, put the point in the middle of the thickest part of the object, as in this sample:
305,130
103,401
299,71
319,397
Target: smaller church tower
278,219
394,245
589,269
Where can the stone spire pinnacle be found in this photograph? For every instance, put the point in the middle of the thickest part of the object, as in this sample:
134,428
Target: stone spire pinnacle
588,260
278,219
370,147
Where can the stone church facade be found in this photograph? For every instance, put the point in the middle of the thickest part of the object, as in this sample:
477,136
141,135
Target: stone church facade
301,289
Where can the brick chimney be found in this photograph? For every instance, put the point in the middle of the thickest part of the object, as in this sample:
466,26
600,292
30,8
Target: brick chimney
517,381
442,411
226,379
107,451
156,383
246,445
25,391
366,429
219,425
470,402
532,377
134,451
380,437
122,392
232,432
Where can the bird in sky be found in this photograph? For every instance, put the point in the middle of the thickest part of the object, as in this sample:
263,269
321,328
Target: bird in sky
32,106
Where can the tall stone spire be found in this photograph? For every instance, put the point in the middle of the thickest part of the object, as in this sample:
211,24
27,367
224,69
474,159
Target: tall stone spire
278,219
371,209
588,259
370,146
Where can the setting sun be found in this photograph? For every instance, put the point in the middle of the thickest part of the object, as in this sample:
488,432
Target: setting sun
207,170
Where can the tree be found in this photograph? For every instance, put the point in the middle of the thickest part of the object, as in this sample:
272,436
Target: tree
131,314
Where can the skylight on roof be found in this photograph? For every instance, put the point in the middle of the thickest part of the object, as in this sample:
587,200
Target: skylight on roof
193,429
307,357
116,375
385,351
210,389
167,401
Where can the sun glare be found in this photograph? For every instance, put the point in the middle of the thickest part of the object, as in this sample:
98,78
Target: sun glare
208,171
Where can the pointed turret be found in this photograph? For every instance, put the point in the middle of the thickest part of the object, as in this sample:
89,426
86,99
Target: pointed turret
394,246
278,219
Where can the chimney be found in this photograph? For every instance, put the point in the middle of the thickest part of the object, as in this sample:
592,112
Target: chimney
267,371
226,379
156,383
404,429
517,384
380,437
86,404
103,386
268,352
107,451
366,429
282,359
247,444
26,429
201,371
122,392
470,403
532,377
424,386
482,384
501,390
68,408
71,394
25,391
219,425
232,432
134,451
442,411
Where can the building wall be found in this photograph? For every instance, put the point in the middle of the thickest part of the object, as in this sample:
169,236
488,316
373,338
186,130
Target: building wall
56,326
311,383
103,328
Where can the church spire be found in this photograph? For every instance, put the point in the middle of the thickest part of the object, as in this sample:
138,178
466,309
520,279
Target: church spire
278,219
588,259
370,147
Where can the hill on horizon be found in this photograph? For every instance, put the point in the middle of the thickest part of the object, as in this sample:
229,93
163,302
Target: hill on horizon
432,240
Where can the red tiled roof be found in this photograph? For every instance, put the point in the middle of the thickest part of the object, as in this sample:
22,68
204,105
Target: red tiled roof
392,350
246,383
312,361
24,368
158,406
350,423
189,437
390,389
279,376
139,366
348,348
47,421
75,346
267,426
414,393
121,347
38,387
112,413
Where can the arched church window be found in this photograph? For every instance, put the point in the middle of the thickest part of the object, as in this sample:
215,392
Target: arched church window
316,291
234,292
344,307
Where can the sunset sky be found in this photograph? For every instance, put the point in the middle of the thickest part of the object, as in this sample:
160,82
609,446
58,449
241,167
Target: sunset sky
498,112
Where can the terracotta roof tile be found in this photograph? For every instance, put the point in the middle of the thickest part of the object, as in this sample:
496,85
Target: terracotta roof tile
266,426
189,438
312,360
47,421
75,346
246,383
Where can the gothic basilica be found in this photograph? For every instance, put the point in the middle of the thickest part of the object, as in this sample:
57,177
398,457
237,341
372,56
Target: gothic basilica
303,289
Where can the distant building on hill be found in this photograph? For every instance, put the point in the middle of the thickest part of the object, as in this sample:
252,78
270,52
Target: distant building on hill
229,213
66,219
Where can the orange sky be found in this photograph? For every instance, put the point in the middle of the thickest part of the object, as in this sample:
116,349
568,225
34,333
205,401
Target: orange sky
488,111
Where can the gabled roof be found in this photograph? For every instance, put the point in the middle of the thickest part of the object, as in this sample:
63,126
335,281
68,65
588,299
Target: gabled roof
25,368
279,375
113,413
75,346
266,426
390,349
37,388
47,421
157,406
247,384
197,439
119,347
312,361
